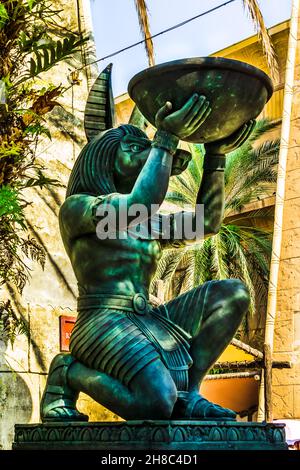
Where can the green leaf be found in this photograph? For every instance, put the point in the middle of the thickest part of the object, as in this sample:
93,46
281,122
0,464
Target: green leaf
39,63
41,180
48,55
37,129
32,67
59,50
10,150
52,54
9,204
4,17
31,4
46,58
10,324
68,43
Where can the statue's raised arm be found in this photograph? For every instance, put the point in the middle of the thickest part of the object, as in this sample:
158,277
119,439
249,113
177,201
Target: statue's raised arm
140,169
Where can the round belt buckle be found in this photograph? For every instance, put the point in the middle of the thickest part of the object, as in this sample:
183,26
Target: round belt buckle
140,304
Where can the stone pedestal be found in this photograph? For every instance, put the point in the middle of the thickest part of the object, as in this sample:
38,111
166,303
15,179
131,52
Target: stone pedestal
150,435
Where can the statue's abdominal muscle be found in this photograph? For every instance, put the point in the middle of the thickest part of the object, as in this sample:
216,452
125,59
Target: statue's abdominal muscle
99,261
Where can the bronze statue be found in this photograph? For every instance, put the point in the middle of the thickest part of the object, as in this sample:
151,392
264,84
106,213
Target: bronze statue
140,361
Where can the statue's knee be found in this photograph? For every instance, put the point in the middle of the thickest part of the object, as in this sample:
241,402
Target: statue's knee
232,293
239,296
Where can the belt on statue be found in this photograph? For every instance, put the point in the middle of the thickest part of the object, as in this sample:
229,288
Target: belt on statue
137,303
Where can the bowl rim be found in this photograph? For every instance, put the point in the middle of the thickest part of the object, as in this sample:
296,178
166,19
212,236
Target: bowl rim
205,62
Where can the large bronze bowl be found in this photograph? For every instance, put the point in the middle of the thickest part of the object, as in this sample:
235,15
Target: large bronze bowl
237,92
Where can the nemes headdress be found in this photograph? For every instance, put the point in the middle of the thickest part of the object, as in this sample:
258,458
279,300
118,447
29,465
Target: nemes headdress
93,169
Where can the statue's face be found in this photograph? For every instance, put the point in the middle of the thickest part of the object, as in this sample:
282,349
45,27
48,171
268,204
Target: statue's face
130,158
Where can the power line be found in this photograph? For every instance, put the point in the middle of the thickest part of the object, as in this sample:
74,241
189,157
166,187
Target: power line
178,25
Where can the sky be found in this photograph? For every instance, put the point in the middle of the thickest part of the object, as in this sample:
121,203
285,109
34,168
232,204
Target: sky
116,26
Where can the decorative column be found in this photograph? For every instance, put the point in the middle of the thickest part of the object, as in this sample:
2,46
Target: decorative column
283,314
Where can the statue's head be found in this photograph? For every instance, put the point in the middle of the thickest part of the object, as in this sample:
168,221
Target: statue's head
112,159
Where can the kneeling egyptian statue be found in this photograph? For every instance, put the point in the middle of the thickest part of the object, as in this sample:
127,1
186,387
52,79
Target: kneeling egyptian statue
138,360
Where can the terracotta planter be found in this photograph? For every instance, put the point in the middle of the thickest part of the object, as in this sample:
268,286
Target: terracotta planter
238,394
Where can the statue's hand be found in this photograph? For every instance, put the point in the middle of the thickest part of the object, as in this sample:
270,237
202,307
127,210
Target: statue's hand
186,120
229,144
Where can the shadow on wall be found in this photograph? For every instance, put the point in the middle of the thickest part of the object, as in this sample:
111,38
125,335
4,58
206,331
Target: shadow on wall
16,300
16,403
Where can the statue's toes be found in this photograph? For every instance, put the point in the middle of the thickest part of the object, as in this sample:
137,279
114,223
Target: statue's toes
220,412
205,409
195,406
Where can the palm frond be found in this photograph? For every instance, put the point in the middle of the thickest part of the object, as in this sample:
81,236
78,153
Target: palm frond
188,260
186,185
48,55
219,260
257,18
240,268
10,324
144,23
239,162
251,175
177,282
261,214
255,242
203,262
167,266
178,198
262,126
196,164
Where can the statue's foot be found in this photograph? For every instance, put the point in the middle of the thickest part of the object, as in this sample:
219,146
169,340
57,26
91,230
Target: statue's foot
59,400
56,412
194,406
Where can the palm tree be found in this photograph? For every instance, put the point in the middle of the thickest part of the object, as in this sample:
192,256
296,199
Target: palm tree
251,6
239,249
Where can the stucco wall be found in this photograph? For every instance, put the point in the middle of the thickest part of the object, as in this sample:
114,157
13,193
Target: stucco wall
286,382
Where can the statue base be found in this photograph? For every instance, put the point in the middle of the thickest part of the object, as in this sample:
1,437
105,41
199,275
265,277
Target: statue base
151,435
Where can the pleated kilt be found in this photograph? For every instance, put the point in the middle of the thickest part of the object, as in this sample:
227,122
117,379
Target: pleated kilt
122,342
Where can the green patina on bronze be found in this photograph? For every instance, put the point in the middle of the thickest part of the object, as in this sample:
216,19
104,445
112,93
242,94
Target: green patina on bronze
141,361
237,92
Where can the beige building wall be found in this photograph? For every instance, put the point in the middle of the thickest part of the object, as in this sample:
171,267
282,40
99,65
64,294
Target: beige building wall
286,382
